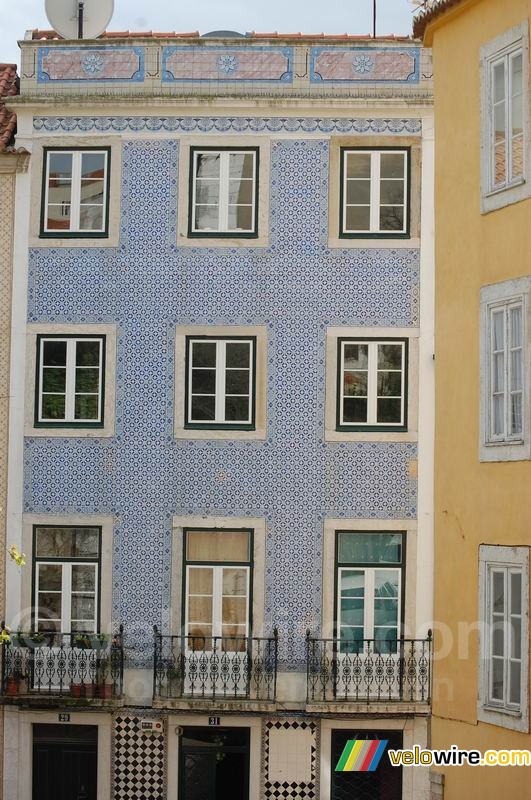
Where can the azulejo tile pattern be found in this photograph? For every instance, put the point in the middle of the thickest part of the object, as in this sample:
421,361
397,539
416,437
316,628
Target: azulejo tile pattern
263,64
139,763
364,65
78,65
297,288
407,126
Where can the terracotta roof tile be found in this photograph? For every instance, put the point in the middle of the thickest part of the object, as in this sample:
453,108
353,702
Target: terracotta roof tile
42,34
431,10
9,86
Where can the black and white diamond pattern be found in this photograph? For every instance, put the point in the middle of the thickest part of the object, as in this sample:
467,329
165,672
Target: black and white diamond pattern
139,761
274,790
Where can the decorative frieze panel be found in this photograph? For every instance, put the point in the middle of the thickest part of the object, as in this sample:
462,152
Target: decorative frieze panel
364,65
105,63
208,63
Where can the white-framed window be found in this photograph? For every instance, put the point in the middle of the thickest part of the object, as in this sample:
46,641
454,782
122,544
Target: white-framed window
374,192
504,601
66,568
220,381
371,384
217,588
224,196
76,187
506,374
506,134
505,118
70,380
369,589
505,369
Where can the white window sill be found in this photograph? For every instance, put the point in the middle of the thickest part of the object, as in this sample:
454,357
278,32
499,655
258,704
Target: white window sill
506,188
503,718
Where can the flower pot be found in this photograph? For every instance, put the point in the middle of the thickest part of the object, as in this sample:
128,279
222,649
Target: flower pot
105,691
75,690
13,686
89,689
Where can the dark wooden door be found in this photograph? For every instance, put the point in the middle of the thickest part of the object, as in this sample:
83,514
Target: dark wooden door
65,762
385,783
214,764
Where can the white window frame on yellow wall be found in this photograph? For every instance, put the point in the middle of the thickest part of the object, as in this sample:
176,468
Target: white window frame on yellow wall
505,370
499,110
504,636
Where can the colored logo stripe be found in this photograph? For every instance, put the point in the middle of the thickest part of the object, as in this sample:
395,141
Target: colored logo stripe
361,755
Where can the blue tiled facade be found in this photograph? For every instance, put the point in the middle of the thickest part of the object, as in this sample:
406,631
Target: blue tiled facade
297,287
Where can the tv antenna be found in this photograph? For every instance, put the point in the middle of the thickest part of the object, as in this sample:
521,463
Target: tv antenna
79,19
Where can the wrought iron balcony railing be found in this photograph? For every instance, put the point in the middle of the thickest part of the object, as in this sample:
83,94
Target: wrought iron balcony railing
215,667
81,666
368,670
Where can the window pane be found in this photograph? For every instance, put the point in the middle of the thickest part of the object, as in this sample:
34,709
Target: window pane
516,638
50,577
199,609
517,156
355,384
498,423
204,354
207,192
355,356
354,410
207,165
515,317
516,66
234,610
93,165
386,583
88,353
86,407
87,380
497,678
238,354
391,192
53,406
235,582
204,381
358,218
54,380
236,409
358,165
498,330
83,607
499,81
58,217
222,545
49,605
515,682
60,165
67,542
237,381
385,612
358,192
352,584
500,168
200,580
516,414
498,592
389,411
392,218
385,639
92,193
370,548
54,353
241,192
352,611
203,408
241,218
499,372
241,165
352,640
83,578
91,218
390,384
390,356
206,217
392,165
498,639
516,593
499,123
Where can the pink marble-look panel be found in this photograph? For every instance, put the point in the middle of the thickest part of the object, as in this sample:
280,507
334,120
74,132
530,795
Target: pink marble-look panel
66,64
365,65
208,63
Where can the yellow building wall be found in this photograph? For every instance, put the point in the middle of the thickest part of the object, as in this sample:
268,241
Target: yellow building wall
475,502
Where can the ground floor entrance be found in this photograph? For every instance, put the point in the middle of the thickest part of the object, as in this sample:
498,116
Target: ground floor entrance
214,763
384,783
65,762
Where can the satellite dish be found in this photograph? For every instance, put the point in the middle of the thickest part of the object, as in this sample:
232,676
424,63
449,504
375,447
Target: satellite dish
79,19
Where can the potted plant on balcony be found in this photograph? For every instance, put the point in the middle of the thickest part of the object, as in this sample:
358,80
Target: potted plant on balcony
104,689
16,682
82,641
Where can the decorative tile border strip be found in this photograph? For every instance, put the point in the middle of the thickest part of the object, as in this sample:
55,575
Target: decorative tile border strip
81,64
224,124
222,64
364,65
